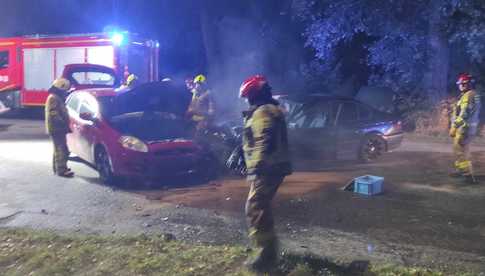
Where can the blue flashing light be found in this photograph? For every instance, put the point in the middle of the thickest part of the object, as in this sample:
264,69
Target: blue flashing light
117,38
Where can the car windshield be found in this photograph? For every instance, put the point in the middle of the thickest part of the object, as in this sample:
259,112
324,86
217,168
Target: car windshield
148,125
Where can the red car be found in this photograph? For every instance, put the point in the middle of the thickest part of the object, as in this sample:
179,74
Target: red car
136,133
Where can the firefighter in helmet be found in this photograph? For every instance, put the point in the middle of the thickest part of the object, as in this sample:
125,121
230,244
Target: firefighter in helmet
201,108
265,146
464,124
130,82
57,125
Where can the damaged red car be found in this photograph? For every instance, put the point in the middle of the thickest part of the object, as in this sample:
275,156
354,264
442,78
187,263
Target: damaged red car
137,133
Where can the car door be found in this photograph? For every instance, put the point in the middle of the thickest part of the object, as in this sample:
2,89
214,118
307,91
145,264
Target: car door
72,105
311,131
349,132
86,128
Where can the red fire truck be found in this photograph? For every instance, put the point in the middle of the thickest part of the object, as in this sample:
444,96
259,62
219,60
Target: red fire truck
29,64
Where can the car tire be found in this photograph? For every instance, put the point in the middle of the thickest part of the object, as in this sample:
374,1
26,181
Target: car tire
372,147
103,166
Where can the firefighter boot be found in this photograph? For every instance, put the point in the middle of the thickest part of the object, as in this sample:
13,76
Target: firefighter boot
263,259
67,173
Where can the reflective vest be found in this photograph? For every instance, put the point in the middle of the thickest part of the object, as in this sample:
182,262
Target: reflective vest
202,106
466,112
265,141
56,116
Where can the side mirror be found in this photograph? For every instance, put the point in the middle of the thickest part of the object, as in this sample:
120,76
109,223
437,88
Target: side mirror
87,116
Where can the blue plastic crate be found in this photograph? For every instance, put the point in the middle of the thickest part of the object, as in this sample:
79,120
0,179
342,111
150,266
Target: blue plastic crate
368,184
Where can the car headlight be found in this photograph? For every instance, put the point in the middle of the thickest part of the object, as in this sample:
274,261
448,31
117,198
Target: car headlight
133,143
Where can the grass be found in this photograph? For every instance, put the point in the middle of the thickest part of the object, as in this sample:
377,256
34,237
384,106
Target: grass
27,252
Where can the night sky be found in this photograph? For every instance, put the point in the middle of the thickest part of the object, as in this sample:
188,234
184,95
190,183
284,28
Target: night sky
174,23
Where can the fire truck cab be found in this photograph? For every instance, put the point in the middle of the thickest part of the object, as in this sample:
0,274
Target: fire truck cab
29,64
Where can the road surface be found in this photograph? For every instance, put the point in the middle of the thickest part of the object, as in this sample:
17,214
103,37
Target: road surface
423,217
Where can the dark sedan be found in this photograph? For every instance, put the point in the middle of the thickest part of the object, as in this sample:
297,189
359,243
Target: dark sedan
336,128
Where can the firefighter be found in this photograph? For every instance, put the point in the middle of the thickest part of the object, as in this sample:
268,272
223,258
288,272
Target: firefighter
201,108
464,123
265,147
57,125
130,82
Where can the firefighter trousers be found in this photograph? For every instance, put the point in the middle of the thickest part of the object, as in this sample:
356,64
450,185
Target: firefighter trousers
461,151
259,216
61,153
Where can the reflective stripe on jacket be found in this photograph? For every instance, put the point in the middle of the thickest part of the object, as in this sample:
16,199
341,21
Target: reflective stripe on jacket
265,141
56,116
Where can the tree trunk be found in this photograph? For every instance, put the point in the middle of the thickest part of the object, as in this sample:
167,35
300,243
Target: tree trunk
436,81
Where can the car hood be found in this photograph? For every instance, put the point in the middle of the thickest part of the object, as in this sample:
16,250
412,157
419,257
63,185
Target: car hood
156,97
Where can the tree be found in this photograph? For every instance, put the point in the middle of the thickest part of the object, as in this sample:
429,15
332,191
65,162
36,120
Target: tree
409,43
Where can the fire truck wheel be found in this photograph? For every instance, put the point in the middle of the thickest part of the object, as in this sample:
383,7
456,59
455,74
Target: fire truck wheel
103,166
3,108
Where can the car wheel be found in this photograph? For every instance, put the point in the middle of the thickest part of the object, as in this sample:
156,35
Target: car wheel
372,148
103,166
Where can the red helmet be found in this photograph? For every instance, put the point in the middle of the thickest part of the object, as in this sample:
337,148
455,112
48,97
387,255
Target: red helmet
252,86
465,78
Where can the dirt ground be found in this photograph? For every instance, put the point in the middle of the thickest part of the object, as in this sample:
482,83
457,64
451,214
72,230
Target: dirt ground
421,206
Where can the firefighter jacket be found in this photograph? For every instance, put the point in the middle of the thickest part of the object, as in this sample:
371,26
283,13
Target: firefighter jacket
466,112
265,141
56,116
201,107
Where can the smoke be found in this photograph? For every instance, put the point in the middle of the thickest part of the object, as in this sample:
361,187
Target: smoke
245,48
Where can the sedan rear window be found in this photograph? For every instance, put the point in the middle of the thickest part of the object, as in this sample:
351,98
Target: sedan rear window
309,115
365,113
94,78
348,112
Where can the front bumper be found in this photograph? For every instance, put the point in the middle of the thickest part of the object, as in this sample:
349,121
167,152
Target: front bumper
393,141
147,166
